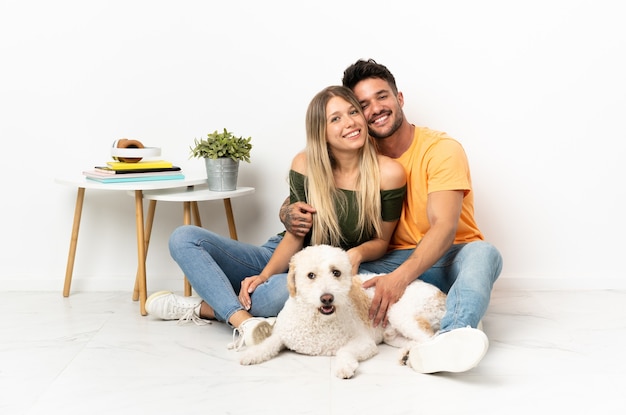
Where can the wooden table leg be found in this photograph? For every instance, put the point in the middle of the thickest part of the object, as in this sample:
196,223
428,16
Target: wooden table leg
149,222
69,269
231,219
187,213
147,234
141,253
187,221
196,213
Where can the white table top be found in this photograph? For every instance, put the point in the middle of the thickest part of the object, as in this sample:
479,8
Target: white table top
79,180
197,193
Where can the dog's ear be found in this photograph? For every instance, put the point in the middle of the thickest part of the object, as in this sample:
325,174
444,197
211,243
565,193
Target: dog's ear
360,300
291,278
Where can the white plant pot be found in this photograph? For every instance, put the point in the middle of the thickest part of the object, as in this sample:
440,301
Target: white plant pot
222,174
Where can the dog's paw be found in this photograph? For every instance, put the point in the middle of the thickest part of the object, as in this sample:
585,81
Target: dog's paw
248,360
346,370
252,357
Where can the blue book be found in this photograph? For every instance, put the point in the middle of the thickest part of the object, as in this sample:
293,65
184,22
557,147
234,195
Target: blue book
147,177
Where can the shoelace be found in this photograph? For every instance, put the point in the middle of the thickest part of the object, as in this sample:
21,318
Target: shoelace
190,315
238,340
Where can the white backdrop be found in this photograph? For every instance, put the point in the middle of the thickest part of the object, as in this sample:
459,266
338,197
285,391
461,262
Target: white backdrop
534,90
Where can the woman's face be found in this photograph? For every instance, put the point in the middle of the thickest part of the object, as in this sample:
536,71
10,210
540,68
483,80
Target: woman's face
346,128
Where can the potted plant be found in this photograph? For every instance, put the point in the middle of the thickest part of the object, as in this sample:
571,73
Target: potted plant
222,152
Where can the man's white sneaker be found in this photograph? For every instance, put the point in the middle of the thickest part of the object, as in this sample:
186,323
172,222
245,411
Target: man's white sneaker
169,306
457,350
252,331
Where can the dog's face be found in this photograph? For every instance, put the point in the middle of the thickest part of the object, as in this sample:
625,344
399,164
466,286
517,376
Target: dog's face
321,276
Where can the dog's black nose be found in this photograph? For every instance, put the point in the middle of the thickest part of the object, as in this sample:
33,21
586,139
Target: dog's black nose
327,299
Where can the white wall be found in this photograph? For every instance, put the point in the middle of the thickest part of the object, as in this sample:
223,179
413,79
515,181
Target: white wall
534,90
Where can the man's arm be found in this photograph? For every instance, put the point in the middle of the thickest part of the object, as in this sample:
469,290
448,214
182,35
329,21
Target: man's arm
444,211
297,217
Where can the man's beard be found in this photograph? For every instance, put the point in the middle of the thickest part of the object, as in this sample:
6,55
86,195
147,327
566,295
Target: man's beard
394,127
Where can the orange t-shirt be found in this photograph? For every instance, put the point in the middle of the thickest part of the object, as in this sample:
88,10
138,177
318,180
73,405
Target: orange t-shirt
434,161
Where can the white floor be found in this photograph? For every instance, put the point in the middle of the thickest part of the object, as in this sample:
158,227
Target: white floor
93,353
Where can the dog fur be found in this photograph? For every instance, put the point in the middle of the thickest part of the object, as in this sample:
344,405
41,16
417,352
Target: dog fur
326,314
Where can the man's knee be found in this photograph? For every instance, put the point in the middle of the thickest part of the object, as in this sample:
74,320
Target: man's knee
488,255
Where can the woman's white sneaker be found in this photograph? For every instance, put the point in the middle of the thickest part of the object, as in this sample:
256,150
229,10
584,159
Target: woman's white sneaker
457,350
168,306
252,331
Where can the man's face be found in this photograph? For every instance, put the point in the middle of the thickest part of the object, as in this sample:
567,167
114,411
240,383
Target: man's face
383,110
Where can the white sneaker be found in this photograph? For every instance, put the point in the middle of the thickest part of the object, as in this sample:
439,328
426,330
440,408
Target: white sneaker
252,331
457,350
169,306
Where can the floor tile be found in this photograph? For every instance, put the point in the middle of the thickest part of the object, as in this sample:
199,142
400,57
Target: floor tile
550,352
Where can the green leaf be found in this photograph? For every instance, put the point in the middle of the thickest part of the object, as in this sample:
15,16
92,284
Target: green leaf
224,144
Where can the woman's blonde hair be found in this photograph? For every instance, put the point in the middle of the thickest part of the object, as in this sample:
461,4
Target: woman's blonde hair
322,193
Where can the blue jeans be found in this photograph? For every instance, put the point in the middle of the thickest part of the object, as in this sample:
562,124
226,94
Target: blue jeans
215,266
466,273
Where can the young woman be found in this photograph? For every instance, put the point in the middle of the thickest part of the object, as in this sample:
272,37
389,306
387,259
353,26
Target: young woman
357,195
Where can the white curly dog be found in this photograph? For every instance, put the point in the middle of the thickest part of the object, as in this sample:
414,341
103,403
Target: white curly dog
326,314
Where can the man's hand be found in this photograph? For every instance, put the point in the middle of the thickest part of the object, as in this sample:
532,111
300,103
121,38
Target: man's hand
297,217
388,291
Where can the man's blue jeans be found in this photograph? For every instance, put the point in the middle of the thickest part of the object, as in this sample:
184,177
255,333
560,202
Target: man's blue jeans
215,266
466,273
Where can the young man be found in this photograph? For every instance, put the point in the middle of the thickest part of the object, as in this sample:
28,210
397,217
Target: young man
437,239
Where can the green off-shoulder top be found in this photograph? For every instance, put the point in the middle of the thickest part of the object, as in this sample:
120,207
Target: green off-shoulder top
391,204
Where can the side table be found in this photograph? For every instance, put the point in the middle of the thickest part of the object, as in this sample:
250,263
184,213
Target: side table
190,196
136,188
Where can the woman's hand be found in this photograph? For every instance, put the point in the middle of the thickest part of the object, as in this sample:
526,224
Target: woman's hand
248,285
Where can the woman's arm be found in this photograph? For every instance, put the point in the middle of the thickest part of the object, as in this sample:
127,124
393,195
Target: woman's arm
392,176
372,249
279,261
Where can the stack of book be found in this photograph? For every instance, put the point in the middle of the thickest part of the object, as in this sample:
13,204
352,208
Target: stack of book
144,170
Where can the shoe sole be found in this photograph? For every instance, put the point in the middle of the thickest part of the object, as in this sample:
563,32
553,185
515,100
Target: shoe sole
154,296
455,351
261,332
